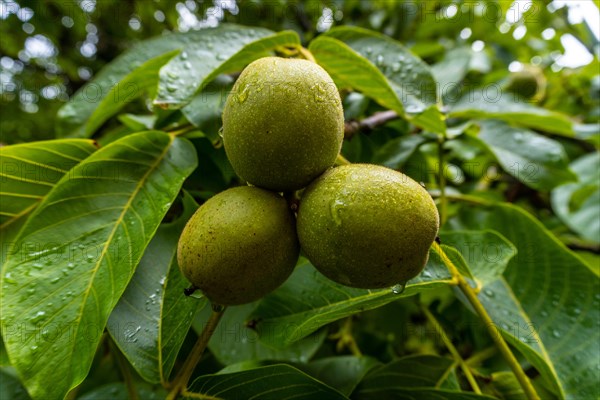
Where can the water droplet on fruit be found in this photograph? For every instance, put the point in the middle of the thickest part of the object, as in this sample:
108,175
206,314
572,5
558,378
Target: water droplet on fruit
399,288
335,208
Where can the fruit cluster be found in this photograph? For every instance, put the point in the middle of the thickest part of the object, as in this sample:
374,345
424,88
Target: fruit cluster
360,225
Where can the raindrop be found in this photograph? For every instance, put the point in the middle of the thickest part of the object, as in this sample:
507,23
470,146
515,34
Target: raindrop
221,57
544,313
39,316
426,274
34,348
37,265
70,265
488,293
399,288
54,280
184,56
556,333
243,95
9,279
379,60
162,280
220,132
31,290
414,109
335,208
396,67
171,88
368,50
172,75
187,65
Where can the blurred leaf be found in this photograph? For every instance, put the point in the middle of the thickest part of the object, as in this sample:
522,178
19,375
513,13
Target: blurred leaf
77,252
493,103
11,387
118,391
273,382
236,340
577,204
397,151
29,171
411,377
152,318
450,72
342,372
535,160
548,303
382,69
141,80
227,48
308,301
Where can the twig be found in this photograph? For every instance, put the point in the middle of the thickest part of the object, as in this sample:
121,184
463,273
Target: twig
450,346
442,182
509,357
181,381
366,125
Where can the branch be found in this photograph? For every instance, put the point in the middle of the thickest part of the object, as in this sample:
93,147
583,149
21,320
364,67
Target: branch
509,357
366,125
181,381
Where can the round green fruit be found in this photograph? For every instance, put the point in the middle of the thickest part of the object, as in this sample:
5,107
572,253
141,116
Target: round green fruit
239,245
283,123
367,226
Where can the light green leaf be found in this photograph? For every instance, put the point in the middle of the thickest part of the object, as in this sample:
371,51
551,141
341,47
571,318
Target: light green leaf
152,318
195,46
28,172
74,257
382,69
308,301
493,103
141,80
342,372
236,340
487,253
413,377
548,303
535,160
581,214
274,382
229,48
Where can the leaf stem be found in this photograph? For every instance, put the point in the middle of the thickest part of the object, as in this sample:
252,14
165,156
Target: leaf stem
442,181
346,339
181,381
341,160
509,357
306,54
455,354
369,123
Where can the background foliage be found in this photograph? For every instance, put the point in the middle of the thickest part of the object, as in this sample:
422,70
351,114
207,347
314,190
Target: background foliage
479,103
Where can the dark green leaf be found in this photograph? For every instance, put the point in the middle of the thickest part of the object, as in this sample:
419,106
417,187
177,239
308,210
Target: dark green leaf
118,391
227,48
273,382
410,377
11,388
308,301
74,257
576,204
382,69
28,172
493,103
342,373
236,340
397,151
152,318
537,161
450,72
548,303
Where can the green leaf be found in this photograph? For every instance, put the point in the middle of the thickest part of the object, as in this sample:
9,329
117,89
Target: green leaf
141,80
342,372
535,160
382,69
548,303
28,172
493,103
451,71
487,253
396,152
11,388
118,391
576,204
236,340
226,49
207,49
410,377
308,301
274,382
152,318
74,257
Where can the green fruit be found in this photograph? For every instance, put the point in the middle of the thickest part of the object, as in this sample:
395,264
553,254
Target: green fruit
283,123
239,245
367,226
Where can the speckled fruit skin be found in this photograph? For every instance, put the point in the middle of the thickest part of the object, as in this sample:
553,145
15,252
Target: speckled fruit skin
239,245
367,226
283,123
